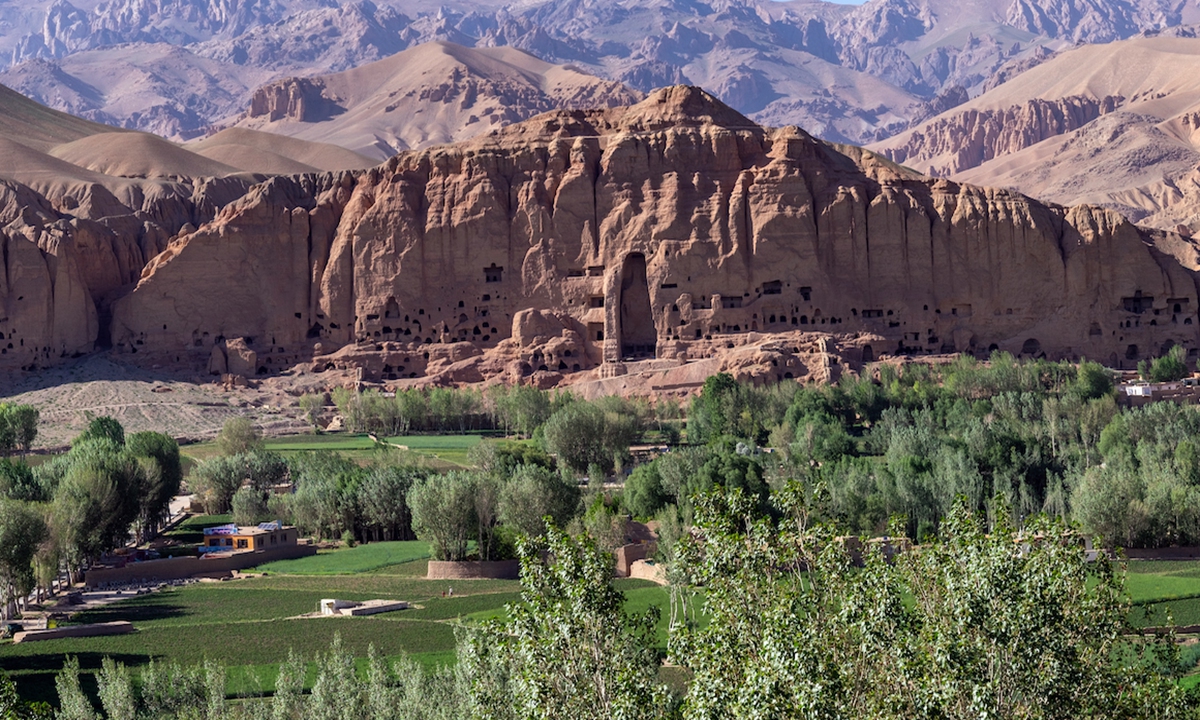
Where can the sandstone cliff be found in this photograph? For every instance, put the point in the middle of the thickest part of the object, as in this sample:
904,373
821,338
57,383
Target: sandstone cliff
962,140
1110,125
672,229
65,256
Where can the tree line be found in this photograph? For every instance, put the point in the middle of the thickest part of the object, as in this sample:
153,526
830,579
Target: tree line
1035,436
64,514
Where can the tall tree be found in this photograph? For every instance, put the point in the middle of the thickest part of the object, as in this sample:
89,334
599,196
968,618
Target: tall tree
573,650
22,530
1002,624
382,499
443,508
163,473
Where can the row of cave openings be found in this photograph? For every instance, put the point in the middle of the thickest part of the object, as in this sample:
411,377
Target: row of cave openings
397,325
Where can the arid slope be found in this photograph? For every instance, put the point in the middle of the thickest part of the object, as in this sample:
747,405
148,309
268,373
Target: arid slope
1116,125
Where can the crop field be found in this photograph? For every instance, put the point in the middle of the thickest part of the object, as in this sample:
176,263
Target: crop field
441,452
363,558
250,625
447,448
1156,587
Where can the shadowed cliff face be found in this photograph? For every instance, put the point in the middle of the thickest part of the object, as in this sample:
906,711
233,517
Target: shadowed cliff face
65,254
529,243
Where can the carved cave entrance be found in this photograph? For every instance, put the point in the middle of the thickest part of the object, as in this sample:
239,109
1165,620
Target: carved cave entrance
638,334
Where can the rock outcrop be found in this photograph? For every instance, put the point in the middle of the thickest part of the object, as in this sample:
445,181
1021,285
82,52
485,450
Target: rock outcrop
298,99
64,258
960,141
1110,125
674,229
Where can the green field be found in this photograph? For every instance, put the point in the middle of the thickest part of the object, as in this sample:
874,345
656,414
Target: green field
249,625
441,452
360,559
447,448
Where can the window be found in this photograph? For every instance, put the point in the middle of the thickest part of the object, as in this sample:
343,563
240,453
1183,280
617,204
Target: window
273,539
597,301
493,274
241,543
1138,303
775,287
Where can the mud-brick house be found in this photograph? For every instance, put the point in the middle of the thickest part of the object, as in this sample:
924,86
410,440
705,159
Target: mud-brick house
237,539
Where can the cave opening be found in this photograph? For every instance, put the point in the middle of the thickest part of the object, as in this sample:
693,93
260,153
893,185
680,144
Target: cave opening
639,337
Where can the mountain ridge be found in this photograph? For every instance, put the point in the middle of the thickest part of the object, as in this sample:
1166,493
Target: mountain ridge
846,73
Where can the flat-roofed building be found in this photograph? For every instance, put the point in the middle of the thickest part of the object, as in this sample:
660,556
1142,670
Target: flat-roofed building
236,539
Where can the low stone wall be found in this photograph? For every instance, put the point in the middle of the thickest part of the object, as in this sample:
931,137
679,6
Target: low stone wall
1167,553
627,555
153,571
474,570
119,627
648,570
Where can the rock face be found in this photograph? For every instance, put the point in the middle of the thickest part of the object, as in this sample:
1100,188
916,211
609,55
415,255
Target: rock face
64,260
966,139
672,229
74,236
1110,125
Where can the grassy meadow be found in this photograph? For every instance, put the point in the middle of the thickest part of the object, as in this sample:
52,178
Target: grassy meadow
441,452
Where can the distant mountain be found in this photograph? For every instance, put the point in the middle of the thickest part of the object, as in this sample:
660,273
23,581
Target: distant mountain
59,155
159,88
843,72
1116,125
430,94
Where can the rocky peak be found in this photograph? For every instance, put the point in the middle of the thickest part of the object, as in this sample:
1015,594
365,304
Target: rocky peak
1093,21
298,99
682,106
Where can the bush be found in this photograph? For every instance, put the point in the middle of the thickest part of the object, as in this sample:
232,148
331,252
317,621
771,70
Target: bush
1168,368
250,506
238,436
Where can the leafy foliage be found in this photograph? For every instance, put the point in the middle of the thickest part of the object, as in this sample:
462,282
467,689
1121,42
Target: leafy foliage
18,427
1003,624
569,648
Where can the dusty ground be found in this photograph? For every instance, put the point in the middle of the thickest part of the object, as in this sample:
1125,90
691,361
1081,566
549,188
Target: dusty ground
188,408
